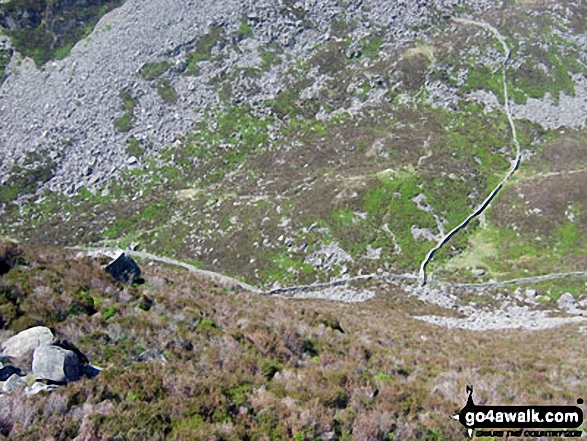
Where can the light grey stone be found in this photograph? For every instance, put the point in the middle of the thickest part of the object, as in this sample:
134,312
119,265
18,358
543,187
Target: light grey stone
40,387
567,302
531,295
56,364
13,383
27,341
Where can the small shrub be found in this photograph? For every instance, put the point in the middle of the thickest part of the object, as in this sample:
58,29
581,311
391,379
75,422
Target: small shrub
244,30
83,303
134,147
269,368
206,324
125,122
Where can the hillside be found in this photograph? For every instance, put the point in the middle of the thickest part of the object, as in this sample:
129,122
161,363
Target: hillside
262,141
183,358
416,161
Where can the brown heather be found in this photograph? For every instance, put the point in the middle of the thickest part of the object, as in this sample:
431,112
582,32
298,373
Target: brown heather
249,367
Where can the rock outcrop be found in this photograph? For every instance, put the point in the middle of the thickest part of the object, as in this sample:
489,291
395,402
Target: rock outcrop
52,362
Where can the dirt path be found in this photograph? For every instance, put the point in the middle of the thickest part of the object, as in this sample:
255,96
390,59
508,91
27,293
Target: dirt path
217,277
515,163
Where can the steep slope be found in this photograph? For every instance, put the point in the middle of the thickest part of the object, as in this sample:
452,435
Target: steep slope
183,358
289,143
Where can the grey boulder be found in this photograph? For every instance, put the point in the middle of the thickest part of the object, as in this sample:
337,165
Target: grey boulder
25,342
54,363
13,383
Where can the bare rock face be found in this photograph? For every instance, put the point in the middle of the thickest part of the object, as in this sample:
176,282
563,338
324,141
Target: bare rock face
25,342
56,364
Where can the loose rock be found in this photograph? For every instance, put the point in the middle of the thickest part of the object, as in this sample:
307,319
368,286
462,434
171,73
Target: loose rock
56,364
13,383
39,387
25,342
567,302
124,269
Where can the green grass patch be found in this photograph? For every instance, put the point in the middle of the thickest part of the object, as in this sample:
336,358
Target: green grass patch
126,121
167,92
203,49
268,59
371,47
24,180
152,71
391,202
484,78
245,30
5,56
134,147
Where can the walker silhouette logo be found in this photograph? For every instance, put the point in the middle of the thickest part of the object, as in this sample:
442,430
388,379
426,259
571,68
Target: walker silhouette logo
517,417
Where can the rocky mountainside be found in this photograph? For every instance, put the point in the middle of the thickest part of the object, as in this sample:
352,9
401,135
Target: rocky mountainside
72,105
313,190
45,29
287,143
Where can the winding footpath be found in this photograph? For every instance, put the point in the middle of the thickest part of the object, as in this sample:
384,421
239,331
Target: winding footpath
515,163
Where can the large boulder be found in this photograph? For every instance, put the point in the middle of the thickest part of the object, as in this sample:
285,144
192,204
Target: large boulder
124,269
56,364
24,343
